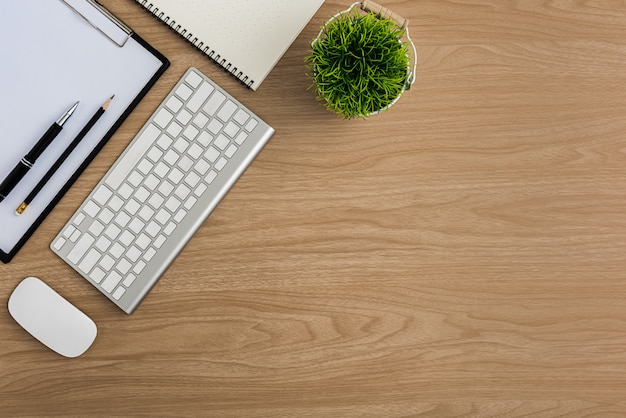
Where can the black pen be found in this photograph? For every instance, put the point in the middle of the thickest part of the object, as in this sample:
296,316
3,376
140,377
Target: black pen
21,208
29,159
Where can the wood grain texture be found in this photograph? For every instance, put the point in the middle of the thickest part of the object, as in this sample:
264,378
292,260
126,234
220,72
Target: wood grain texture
460,255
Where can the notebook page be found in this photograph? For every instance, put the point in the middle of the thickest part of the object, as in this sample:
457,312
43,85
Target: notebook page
251,35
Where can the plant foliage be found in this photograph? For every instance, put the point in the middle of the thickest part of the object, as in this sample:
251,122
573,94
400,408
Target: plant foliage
359,64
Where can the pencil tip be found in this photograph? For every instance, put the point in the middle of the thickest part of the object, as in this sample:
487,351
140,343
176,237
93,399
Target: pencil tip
107,103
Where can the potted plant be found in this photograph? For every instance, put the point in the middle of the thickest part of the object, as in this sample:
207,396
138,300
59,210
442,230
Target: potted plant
359,62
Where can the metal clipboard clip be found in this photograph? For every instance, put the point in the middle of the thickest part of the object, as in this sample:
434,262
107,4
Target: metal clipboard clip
102,20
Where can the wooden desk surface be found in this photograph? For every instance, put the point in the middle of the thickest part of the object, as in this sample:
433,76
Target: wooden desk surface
463,254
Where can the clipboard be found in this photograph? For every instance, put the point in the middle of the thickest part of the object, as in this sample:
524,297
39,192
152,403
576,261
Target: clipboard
54,53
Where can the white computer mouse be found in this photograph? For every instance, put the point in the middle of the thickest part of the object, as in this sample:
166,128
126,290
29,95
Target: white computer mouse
51,319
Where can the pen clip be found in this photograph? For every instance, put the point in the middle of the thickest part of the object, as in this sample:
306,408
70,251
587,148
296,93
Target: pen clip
101,19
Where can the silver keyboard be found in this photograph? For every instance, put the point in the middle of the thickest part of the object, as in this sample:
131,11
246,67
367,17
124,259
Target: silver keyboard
161,189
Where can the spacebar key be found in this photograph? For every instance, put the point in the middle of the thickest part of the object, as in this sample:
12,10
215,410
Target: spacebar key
131,156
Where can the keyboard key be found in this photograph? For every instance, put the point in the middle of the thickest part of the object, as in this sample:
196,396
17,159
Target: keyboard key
123,266
163,216
139,266
126,238
174,104
214,103
169,228
136,225
129,280
133,153
117,250
220,163
215,126
227,110
102,195
191,132
200,120
164,141
112,231
202,187
149,254
126,191
143,241
153,229
195,151
161,170
116,203
152,182
171,157
192,179
163,118
156,200
204,138
155,155
184,92
193,79
231,129
210,177
241,138
58,244
97,275
175,175
79,219
111,281
103,244
199,97
172,204
181,145
107,263
119,292
80,248
174,129
133,254
212,154
135,178
185,163
132,206
230,151
89,261
106,216
241,116
221,142
122,219
142,194
251,125
91,209
146,213
69,231
75,235
202,167
166,188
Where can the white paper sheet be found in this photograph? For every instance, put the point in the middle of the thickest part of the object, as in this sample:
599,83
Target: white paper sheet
50,58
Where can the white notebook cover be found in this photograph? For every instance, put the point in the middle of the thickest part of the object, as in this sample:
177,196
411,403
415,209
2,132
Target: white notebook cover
247,37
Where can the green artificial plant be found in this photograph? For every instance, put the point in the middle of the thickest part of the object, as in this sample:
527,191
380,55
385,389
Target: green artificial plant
358,64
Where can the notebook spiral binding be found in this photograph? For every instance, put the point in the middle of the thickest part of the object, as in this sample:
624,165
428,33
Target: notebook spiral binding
205,49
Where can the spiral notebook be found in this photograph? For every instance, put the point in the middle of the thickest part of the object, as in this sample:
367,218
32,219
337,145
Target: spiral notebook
245,37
